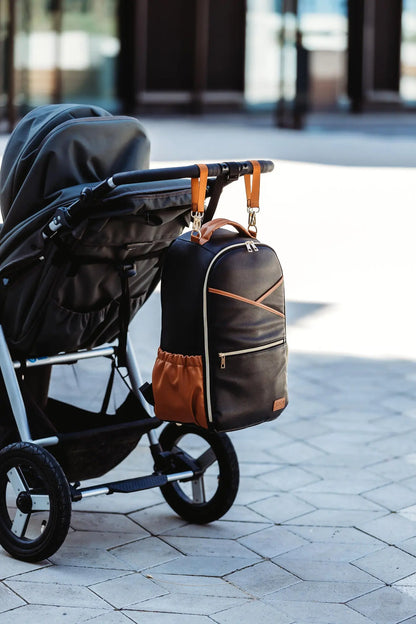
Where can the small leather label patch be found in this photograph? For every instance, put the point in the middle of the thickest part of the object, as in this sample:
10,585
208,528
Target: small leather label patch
279,404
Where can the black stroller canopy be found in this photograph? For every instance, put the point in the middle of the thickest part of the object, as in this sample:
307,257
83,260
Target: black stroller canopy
62,146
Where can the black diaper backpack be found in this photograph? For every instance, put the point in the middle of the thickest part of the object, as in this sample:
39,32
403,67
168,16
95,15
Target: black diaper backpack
222,360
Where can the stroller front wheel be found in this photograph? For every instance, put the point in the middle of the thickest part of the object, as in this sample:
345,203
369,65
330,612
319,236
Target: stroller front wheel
211,495
35,502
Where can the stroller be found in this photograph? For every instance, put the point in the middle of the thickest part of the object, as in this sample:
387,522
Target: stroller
86,225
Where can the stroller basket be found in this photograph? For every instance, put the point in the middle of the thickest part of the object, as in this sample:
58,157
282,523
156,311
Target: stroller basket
76,264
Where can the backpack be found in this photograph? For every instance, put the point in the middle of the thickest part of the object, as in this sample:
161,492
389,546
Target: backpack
222,360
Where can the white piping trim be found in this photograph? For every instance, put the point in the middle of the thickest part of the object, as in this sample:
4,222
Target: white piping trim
205,314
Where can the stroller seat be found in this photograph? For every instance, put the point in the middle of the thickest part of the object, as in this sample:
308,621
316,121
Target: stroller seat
77,290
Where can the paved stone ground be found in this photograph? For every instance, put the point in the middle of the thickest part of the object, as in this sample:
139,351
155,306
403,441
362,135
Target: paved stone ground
323,530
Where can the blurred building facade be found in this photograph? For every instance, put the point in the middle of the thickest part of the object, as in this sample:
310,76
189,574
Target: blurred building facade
289,56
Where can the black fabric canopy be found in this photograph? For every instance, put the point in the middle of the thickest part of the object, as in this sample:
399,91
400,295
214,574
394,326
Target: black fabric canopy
61,146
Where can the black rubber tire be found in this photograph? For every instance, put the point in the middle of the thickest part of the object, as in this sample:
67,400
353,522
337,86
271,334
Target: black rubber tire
38,471
225,468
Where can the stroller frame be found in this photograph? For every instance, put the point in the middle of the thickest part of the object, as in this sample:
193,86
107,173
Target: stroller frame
37,480
8,366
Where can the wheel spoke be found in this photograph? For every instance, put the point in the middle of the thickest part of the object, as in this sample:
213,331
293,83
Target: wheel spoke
198,490
17,481
206,460
20,523
40,502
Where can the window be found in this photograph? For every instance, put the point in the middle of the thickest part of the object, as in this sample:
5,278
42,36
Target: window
66,50
408,52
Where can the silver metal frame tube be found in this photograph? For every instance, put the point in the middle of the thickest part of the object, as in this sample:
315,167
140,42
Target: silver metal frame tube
135,376
51,441
136,381
95,492
180,475
13,390
67,358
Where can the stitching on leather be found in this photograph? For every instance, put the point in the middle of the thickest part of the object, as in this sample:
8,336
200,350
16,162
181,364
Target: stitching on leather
269,292
224,293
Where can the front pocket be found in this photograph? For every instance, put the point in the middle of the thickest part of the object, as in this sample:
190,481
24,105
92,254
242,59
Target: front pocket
178,388
250,389
224,356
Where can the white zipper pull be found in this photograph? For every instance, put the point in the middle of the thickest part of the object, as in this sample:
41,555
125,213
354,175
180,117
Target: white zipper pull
248,245
222,360
253,246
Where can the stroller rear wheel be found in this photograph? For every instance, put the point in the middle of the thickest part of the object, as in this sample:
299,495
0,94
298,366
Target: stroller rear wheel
35,502
211,495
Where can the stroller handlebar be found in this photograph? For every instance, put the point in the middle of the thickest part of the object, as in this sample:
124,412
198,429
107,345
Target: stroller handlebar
64,215
187,171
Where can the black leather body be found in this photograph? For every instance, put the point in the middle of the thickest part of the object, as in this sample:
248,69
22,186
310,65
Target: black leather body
241,389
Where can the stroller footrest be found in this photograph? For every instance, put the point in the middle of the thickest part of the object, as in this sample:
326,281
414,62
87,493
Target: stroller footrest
126,486
135,485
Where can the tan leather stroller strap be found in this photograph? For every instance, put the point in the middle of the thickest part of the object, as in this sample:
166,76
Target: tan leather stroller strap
198,189
252,184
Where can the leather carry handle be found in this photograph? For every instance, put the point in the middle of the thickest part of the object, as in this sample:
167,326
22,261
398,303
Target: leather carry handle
209,228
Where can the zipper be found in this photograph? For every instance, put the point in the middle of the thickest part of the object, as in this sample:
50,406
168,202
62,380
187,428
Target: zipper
251,246
270,345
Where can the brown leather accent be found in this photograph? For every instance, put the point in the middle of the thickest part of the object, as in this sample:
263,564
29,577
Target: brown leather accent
178,388
224,293
209,228
279,404
253,186
199,189
269,292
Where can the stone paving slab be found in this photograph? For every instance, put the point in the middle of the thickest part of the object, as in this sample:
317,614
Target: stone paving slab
128,590
326,591
8,599
57,595
303,612
262,578
385,606
142,617
389,564
252,612
34,613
